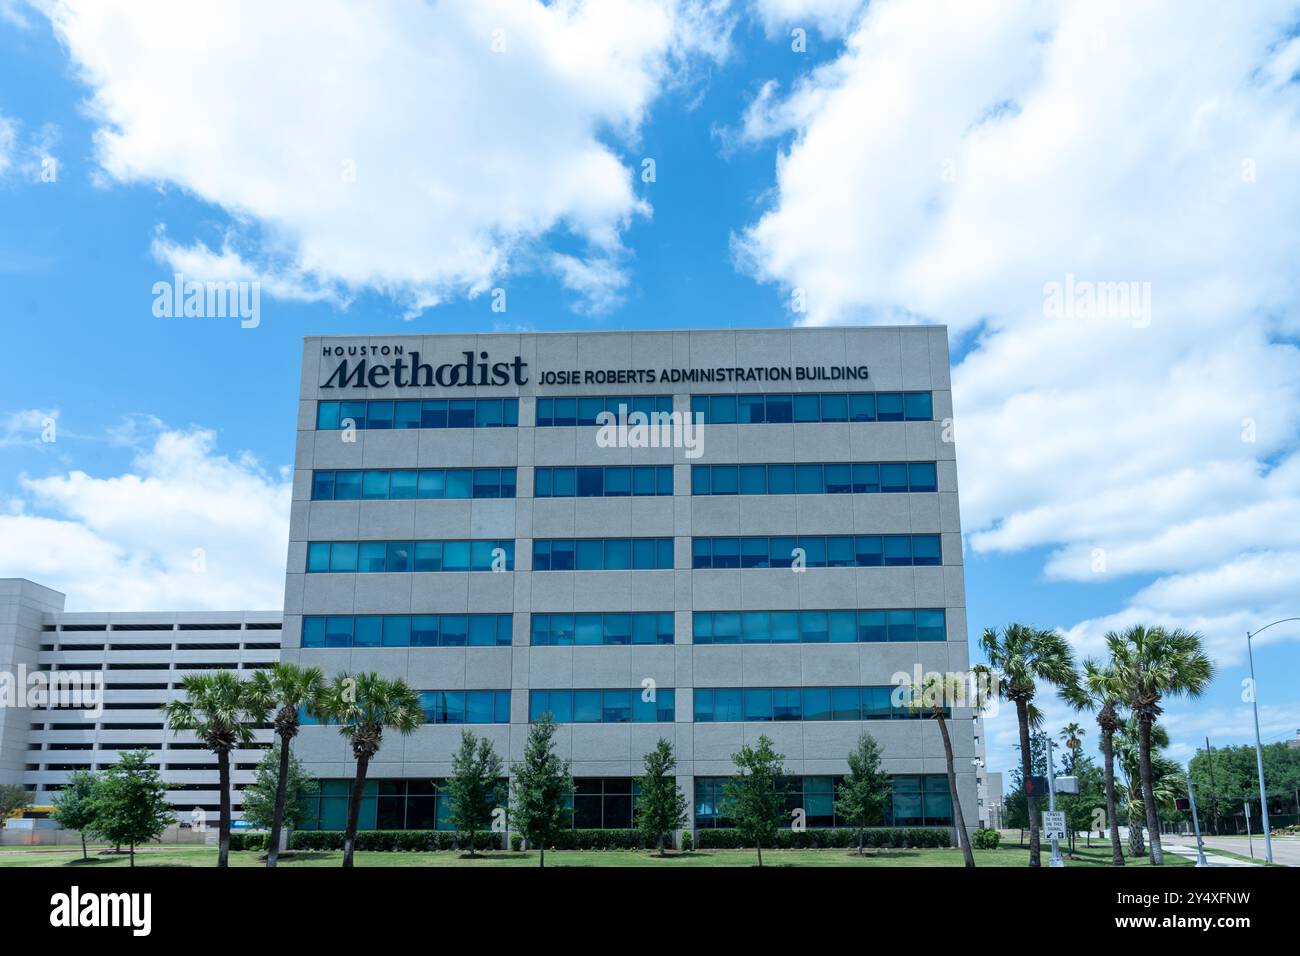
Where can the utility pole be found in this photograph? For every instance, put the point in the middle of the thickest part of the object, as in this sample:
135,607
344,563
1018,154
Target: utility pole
1214,800
1196,823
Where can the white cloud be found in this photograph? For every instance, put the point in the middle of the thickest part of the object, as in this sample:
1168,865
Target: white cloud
26,426
197,261
951,175
831,17
8,143
599,282
419,149
186,528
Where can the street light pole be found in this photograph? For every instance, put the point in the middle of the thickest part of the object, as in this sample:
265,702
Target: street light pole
1051,804
1259,749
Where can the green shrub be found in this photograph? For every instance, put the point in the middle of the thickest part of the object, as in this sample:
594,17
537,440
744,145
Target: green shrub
835,838
240,840
516,842
687,843
986,839
392,841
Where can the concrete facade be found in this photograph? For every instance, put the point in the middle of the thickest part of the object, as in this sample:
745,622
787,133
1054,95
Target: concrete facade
143,657
899,359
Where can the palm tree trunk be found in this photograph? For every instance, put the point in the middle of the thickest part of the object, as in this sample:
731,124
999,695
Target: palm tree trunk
1148,792
223,832
1108,751
1136,845
277,815
354,810
963,838
1026,774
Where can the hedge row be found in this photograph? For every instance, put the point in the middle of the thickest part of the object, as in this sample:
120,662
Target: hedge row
830,839
429,840
391,841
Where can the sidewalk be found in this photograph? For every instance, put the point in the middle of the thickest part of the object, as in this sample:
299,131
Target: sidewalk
1211,858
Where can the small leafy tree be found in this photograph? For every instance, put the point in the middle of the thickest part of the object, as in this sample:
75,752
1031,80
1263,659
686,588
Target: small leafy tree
74,806
661,806
130,802
262,796
472,787
539,784
863,794
12,798
755,796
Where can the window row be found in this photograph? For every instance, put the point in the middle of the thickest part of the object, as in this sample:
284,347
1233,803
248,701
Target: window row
602,554
382,484
610,481
417,413
818,551
609,803
814,407
619,706
567,630
817,627
407,630
369,557
451,707
583,410
715,705
859,478
915,801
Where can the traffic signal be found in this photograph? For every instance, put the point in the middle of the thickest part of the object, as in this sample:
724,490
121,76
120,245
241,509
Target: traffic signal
1182,803
1036,786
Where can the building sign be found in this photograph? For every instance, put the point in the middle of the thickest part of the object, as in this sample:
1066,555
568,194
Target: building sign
381,366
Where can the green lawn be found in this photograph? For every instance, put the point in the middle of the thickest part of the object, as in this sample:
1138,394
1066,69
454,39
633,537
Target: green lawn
206,856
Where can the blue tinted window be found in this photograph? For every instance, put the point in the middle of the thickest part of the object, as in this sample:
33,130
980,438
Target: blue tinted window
918,406
413,413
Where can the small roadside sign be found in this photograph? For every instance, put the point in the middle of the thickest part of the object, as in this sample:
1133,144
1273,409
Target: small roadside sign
1053,824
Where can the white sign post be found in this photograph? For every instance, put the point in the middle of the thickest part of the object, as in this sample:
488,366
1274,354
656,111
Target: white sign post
1054,824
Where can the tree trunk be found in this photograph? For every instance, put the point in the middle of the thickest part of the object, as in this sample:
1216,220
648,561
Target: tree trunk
277,815
1027,772
861,839
223,834
759,848
133,854
661,845
541,853
354,810
963,838
1108,750
84,854
1136,845
1148,791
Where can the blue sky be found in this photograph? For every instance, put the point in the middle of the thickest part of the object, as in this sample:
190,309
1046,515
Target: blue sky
1115,468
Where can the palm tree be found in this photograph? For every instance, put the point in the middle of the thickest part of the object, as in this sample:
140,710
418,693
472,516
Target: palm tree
363,705
288,690
934,696
1021,656
222,711
1100,691
1154,663
1165,777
